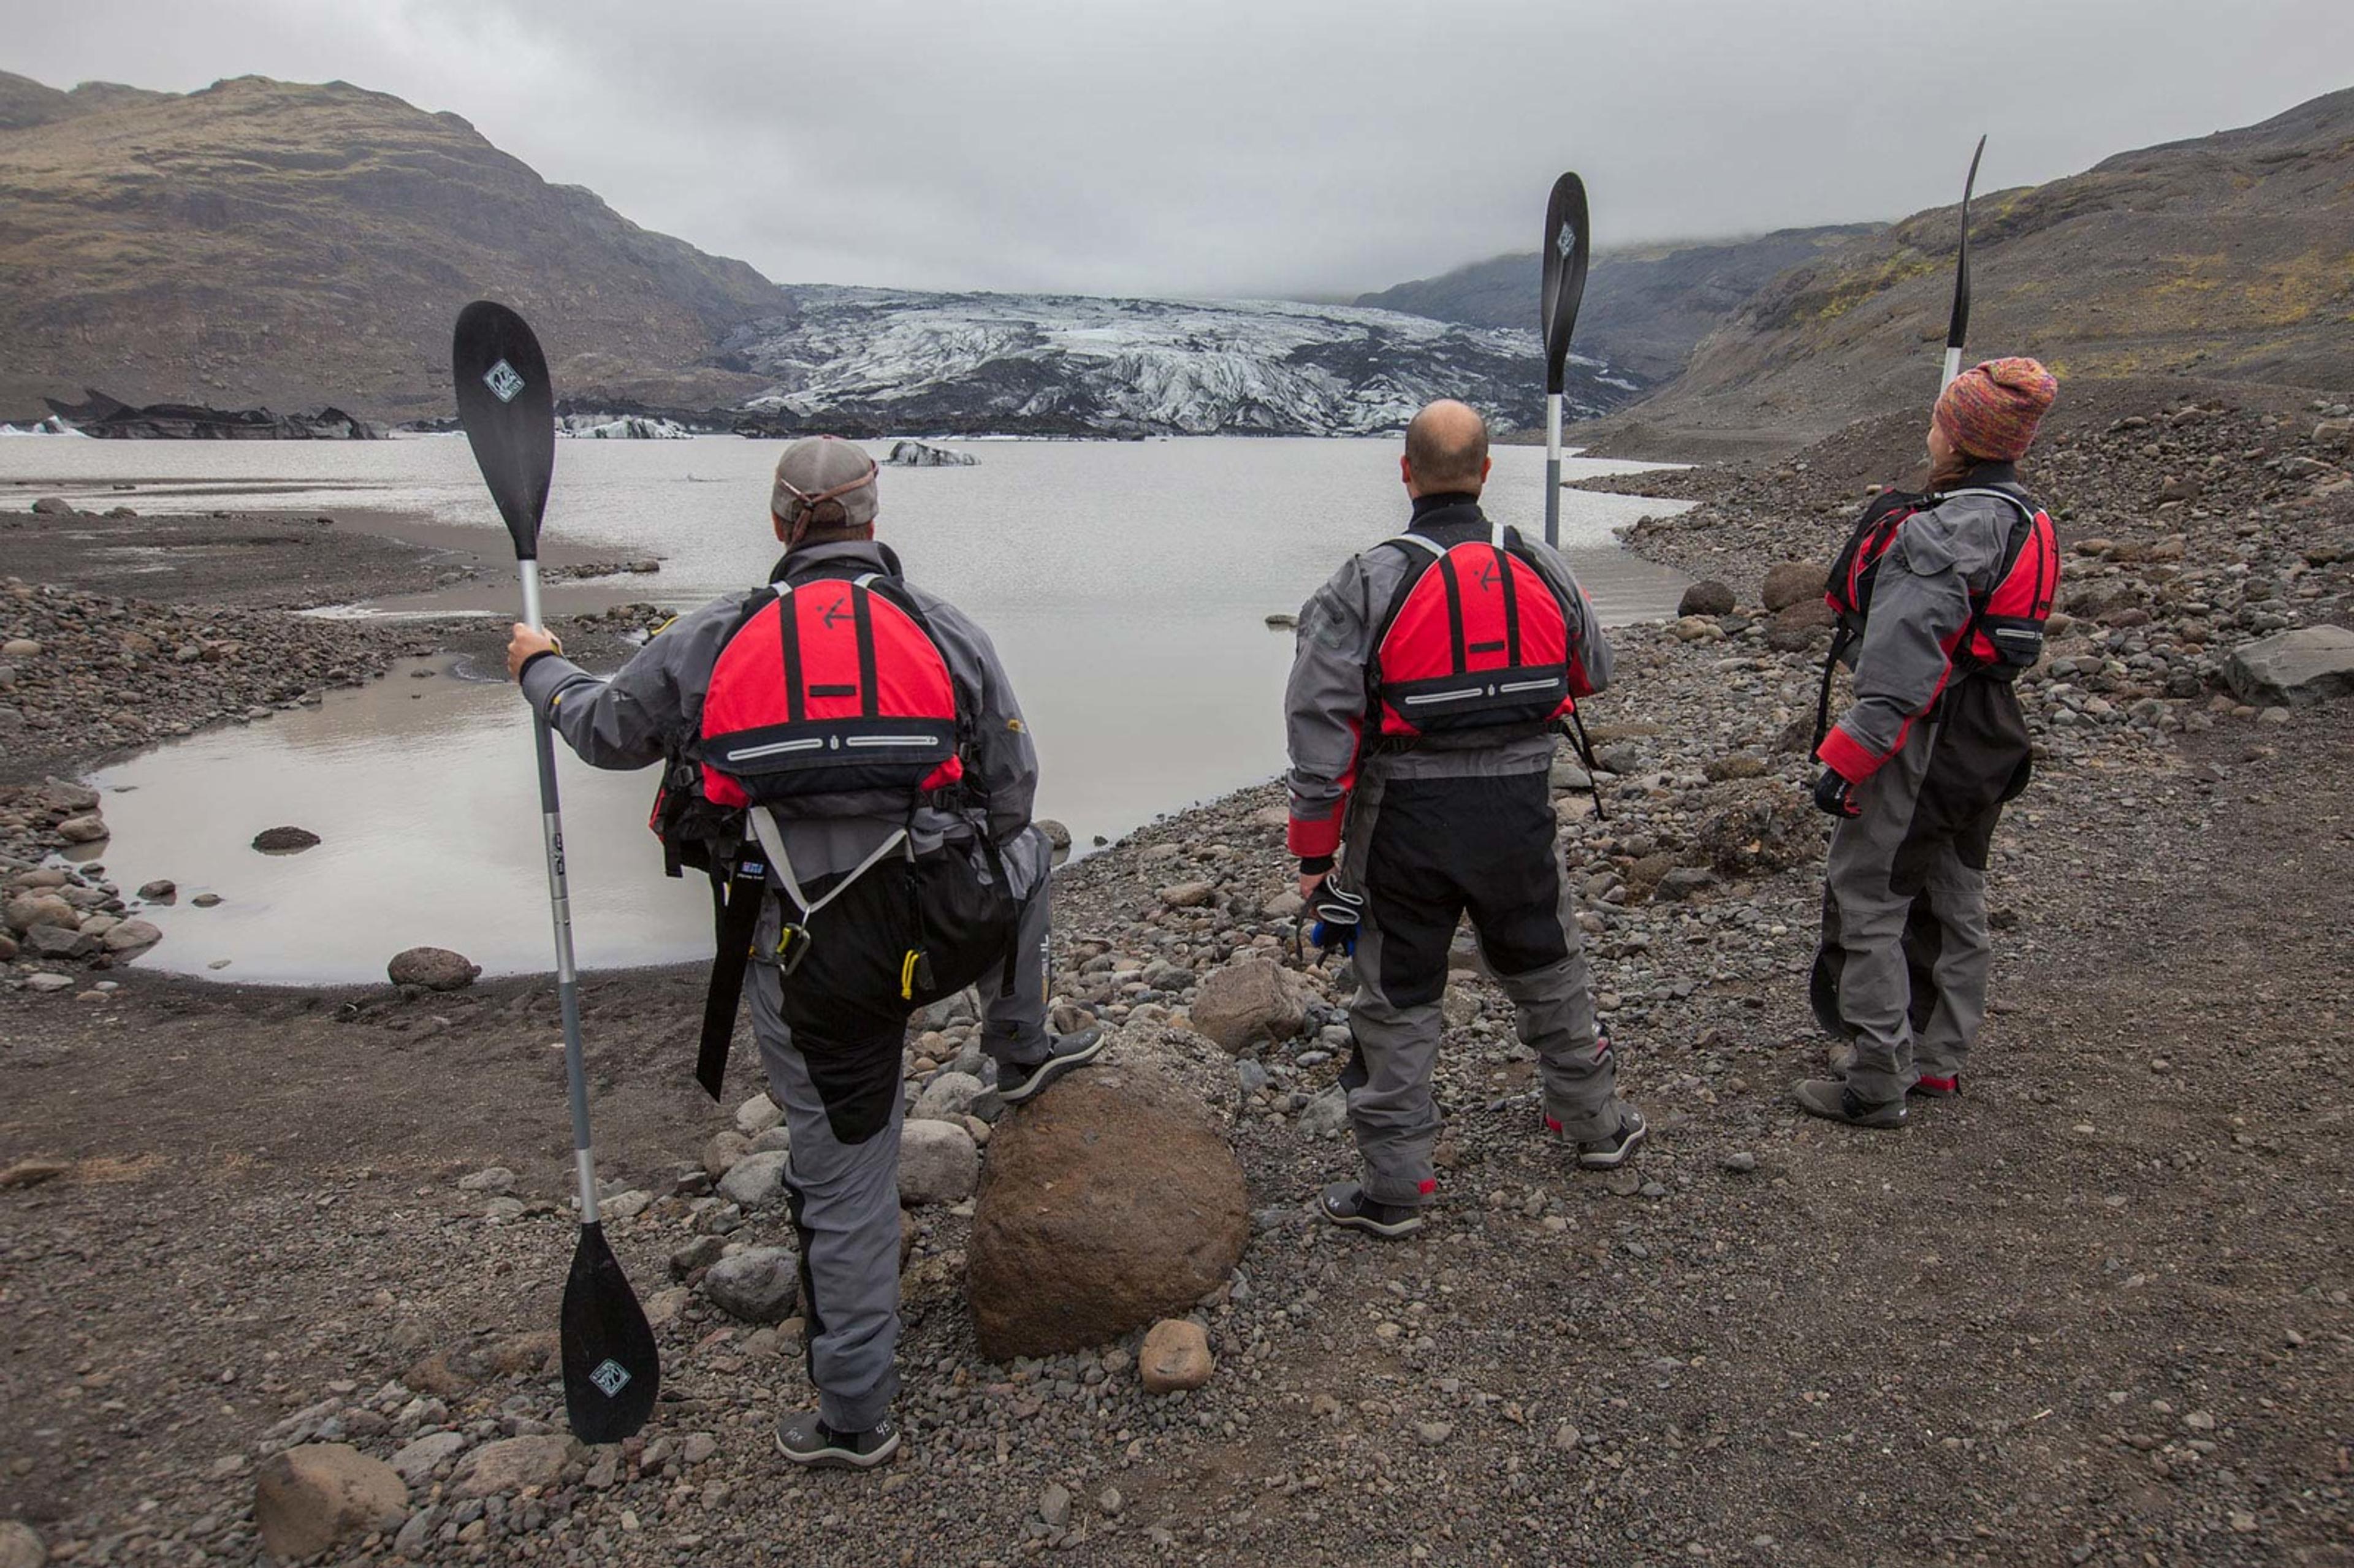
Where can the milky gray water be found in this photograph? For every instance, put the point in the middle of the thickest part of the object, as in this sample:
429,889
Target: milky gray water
1126,584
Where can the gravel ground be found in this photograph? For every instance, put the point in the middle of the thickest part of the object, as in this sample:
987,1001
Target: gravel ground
2095,1311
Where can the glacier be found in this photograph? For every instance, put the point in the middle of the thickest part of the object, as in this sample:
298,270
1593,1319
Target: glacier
975,364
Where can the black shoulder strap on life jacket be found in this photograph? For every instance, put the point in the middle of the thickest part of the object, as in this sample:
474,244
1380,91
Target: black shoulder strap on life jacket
1509,540
1421,552
1573,730
894,586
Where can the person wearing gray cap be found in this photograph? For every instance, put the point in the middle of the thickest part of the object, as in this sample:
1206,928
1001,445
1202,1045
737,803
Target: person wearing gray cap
845,755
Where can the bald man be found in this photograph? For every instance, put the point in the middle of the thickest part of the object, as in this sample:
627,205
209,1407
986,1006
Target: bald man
1431,674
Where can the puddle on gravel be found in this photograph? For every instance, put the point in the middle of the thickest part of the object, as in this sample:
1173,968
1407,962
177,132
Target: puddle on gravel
422,793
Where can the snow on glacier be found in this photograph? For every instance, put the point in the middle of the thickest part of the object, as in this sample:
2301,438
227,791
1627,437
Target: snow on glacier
974,362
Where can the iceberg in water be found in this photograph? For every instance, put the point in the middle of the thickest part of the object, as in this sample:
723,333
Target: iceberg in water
620,427
52,426
923,454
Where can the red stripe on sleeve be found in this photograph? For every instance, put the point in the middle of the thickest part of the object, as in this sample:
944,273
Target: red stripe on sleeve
1847,756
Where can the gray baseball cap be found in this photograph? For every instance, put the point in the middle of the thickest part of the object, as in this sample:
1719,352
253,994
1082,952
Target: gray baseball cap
830,479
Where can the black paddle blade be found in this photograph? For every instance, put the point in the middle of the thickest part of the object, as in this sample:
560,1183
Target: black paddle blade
1958,330
508,409
611,1369
1566,243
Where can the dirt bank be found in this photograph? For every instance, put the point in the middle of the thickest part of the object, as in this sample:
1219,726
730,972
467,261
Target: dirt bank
2096,1310
146,628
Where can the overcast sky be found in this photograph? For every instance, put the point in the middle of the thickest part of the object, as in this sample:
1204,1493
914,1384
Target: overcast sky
1238,147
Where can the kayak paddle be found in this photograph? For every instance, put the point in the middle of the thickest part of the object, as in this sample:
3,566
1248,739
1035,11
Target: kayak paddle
611,1369
1566,247
1958,328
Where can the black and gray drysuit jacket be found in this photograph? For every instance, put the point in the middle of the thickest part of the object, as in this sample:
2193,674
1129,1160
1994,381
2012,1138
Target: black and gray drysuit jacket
1325,703
654,704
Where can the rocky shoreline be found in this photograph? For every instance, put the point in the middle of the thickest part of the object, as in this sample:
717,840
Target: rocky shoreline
2098,1309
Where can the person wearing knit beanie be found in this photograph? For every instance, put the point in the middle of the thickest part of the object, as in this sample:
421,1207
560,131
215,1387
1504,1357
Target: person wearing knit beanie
1990,411
1918,767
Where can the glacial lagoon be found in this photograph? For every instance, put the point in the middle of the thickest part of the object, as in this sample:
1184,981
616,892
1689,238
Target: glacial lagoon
1126,586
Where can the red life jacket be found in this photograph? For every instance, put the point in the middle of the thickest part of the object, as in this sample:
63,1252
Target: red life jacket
2005,632
829,690
829,686
1475,638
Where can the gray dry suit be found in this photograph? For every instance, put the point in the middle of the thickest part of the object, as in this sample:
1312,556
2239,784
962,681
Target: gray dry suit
1429,833
1934,749
844,1188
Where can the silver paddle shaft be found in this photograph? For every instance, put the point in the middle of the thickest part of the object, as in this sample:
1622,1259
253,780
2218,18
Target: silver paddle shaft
1953,366
559,903
1553,469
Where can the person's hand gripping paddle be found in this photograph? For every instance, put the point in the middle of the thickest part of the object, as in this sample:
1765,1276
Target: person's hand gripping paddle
1566,244
611,1369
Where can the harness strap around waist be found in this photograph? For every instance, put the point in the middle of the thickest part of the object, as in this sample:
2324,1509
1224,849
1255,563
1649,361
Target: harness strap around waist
766,828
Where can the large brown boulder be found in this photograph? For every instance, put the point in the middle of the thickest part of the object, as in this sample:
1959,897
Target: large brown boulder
1248,1003
308,1499
1792,582
20,1545
1110,1200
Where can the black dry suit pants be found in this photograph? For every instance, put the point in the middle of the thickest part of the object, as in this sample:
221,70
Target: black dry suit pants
905,935
1426,852
830,1033
1902,968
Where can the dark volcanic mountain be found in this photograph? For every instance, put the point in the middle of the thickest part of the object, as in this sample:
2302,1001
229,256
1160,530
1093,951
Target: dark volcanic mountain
2230,256
1646,308
290,245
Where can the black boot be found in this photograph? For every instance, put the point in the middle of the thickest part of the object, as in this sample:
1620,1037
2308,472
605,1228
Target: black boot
1020,1081
1831,1099
806,1440
1345,1203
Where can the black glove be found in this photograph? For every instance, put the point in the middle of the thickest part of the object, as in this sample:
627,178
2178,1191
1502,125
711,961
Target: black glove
1337,912
1835,795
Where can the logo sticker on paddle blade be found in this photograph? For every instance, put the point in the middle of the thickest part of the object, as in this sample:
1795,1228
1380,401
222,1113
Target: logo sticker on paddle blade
610,1376
1566,241
503,383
